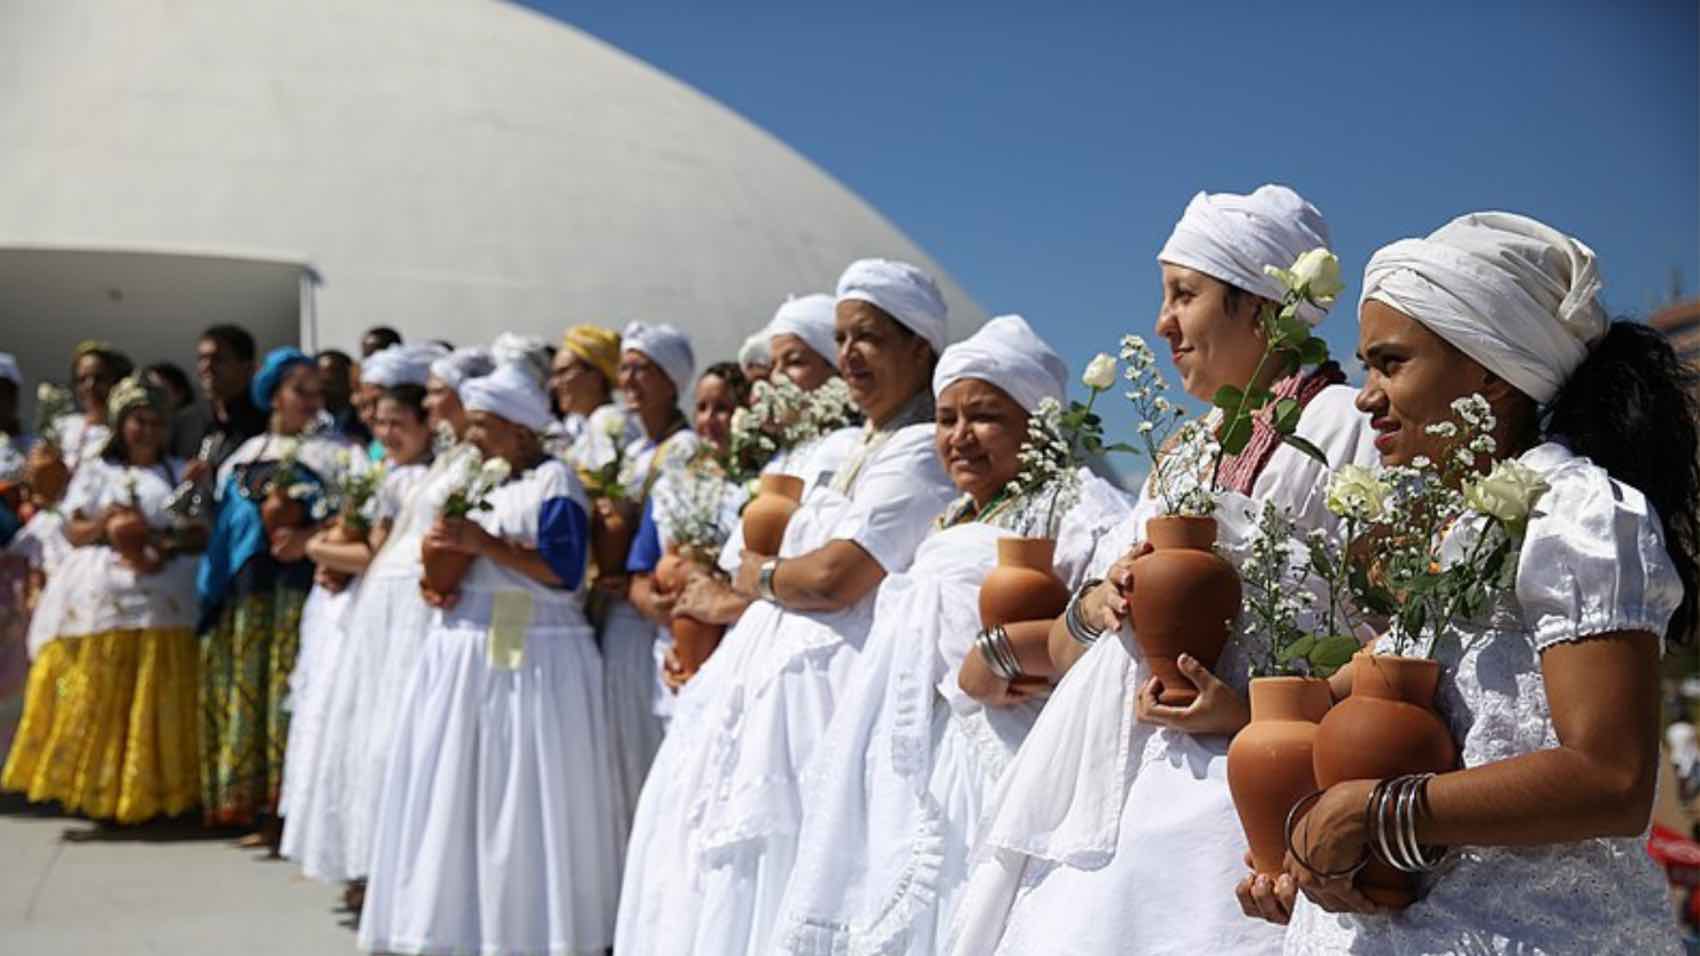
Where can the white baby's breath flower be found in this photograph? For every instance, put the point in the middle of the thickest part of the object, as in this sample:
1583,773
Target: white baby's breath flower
1443,429
1100,372
1145,428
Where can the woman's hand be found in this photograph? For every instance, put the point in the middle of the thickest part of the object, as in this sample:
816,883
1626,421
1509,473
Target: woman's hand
1104,608
289,545
331,581
1333,838
696,598
653,603
1218,708
460,534
977,681
749,574
1267,898
673,674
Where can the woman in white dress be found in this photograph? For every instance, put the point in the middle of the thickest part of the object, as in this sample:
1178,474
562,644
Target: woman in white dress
371,634
114,736
655,368
717,826
893,796
1112,830
1553,693
493,835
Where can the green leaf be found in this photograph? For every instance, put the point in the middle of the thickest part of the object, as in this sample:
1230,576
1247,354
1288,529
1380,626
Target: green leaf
1236,435
1307,448
1286,416
1256,398
1291,329
1092,419
1314,351
1121,446
1228,398
1333,651
1297,649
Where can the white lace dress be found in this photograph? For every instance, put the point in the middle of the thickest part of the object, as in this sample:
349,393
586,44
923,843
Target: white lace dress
1110,836
1593,562
893,795
716,827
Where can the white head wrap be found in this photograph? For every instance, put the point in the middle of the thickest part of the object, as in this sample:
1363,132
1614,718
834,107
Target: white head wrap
509,392
811,318
528,352
9,369
901,291
666,346
455,368
1006,352
1514,294
400,364
755,350
1232,237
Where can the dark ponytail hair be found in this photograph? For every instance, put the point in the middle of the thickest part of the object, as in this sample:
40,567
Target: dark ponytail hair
1631,409
411,396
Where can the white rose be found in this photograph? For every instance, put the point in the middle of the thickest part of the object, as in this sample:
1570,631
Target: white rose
1317,273
1507,494
1100,373
494,472
1357,492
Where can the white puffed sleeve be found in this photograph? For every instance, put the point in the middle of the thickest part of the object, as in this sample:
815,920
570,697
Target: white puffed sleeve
1086,528
1593,559
895,499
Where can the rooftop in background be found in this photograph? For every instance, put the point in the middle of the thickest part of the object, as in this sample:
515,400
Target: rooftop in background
1680,321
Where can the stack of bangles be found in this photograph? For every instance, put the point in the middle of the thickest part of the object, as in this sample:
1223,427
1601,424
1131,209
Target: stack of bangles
1083,633
999,654
1390,818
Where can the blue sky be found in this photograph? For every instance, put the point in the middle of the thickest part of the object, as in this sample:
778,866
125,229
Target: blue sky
1041,155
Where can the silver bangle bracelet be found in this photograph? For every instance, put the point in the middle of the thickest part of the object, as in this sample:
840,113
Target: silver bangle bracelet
1082,633
1000,656
1393,805
764,580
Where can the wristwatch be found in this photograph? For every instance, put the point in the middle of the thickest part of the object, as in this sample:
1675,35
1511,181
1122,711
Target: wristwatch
764,580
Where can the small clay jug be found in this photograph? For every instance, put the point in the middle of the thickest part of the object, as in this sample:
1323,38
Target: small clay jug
777,498
278,511
1385,728
127,533
47,474
444,568
611,539
1184,599
1023,586
693,641
1270,761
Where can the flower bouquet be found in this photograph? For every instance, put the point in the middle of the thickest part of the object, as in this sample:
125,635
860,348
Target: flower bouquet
444,568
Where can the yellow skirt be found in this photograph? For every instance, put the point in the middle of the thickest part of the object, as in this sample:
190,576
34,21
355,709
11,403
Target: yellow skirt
109,726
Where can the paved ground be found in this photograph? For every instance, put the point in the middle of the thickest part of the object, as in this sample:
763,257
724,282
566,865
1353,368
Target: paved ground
166,889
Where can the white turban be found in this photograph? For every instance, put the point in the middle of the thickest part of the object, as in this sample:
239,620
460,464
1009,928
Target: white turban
9,369
901,291
511,393
666,346
1005,352
755,350
1232,237
1514,294
528,352
811,318
456,367
400,364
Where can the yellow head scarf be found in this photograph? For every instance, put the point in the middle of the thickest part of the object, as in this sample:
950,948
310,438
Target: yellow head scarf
598,346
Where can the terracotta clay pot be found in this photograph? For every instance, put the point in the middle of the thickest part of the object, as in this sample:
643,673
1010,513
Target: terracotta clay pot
345,532
127,533
611,539
47,474
279,511
765,517
1386,727
1185,597
1022,587
1269,762
444,568
693,641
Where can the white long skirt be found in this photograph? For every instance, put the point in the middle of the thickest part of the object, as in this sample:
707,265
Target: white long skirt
630,678
309,686
493,834
377,649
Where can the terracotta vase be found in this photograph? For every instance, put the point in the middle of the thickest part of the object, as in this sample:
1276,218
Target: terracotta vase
693,641
127,533
611,539
765,517
444,568
47,474
1386,727
1185,597
279,511
1270,761
345,532
1023,586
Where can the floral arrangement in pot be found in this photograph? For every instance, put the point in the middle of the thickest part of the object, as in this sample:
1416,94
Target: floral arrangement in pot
126,528
1439,548
779,417
696,515
443,568
45,470
612,526
288,499
1184,595
351,498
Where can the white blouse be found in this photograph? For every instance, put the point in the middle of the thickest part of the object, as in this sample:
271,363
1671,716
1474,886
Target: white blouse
1593,562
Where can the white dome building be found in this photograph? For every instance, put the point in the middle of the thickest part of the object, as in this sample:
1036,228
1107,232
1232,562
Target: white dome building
454,168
